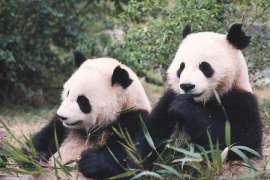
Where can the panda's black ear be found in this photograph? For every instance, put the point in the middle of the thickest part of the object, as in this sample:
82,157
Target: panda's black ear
237,37
187,30
79,58
120,76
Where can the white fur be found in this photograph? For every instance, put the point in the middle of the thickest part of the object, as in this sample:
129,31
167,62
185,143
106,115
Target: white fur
228,63
93,80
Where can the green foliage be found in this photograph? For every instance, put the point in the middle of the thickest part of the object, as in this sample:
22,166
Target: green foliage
151,43
32,34
37,37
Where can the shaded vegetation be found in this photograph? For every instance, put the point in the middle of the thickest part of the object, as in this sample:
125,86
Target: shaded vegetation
38,37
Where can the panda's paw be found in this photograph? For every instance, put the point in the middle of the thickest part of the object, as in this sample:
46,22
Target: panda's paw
181,105
89,164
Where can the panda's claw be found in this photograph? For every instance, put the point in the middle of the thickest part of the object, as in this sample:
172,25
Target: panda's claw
181,104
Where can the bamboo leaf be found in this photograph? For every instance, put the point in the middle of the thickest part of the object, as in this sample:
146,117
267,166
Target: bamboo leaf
185,152
224,154
116,160
56,142
123,175
169,169
227,133
245,148
147,135
147,173
243,157
65,169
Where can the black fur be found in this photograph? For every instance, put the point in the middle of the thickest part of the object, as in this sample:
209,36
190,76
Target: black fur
187,30
84,104
181,68
44,141
100,163
196,118
121,77
243,114
160,126
237,37
206,69
79,58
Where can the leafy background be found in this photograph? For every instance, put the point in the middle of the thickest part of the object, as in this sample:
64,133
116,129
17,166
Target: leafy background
37,38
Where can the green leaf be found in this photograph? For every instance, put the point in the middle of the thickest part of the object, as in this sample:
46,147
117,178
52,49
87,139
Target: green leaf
227,133
147,173
185,152
116,160
56,142
169,169
243,157
147,135
224,154
123,175
245,148
126,110
63,168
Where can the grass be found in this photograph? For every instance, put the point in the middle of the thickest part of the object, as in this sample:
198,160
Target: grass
26,120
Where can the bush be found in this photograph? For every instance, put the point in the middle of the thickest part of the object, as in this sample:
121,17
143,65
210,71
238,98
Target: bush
150,44
33,35
38,37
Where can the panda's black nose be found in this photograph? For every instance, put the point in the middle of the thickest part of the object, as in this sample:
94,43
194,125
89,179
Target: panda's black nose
61,117
187,87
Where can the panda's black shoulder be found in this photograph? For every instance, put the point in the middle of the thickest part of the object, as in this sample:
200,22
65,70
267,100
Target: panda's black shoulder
237,98
131,119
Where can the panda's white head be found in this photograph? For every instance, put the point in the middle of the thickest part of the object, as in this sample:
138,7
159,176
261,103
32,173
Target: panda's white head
208,61
98,91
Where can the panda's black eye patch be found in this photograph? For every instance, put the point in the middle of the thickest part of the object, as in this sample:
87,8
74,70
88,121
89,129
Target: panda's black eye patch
179,71
84,104
206,69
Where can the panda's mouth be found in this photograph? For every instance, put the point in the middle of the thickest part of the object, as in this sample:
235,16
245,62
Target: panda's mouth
74,123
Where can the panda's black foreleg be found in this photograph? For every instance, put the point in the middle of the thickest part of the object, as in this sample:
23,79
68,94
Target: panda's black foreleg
191,115
242,111
160,127
44,140
244,117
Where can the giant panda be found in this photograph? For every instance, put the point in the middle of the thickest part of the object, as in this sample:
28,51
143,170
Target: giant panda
102,94
207,65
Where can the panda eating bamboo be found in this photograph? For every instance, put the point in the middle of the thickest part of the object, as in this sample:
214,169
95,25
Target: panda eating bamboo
102,94
207,84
